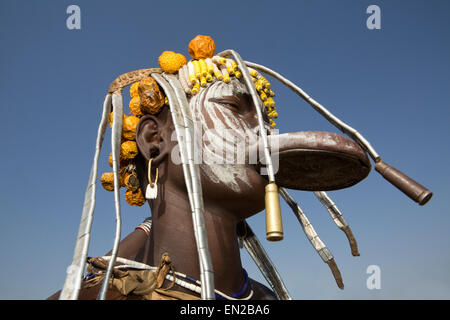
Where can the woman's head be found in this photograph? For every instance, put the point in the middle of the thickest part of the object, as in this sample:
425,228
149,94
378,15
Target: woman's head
225,134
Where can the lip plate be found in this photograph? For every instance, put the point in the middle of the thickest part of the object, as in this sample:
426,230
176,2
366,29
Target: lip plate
319,161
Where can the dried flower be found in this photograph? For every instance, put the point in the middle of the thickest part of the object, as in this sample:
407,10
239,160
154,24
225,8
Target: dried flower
201,47
135,198
170,61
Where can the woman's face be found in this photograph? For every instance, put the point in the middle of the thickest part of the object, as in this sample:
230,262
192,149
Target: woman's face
226,133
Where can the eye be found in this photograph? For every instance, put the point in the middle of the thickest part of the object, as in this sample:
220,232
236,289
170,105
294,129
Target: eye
230,103
238,103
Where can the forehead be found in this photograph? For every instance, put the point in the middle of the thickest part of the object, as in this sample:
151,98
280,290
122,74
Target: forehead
215,115
219,89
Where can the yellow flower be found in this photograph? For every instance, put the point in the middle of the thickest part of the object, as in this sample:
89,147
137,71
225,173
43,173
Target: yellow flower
134,89
135,106
170,61
128,150
129,127
107,181
123,162
135,198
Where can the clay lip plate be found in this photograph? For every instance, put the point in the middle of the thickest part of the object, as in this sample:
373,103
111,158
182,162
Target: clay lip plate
317,161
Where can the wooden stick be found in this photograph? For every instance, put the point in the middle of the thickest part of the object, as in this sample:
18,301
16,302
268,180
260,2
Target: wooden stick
337,217
313,237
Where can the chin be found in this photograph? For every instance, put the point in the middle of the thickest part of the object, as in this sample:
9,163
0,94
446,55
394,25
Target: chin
239,189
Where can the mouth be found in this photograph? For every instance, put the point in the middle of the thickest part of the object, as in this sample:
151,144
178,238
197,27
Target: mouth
317,161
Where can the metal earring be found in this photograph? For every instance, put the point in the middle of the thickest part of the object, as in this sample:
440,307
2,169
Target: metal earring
152,187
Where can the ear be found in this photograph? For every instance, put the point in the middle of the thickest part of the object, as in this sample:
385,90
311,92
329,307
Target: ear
150,139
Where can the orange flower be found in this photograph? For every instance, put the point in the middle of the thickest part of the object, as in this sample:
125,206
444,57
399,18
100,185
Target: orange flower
128,150
201,47
129,127
135,198
107,181
152,99
135,106
134,89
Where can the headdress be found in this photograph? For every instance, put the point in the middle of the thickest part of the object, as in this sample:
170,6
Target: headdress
178,78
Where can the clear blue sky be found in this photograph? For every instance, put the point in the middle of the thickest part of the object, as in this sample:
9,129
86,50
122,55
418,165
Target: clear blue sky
392,84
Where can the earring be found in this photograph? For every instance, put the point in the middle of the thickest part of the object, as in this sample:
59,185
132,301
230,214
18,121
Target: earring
152,187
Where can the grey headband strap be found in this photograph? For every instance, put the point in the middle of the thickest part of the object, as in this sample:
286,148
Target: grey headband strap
116,139
257,103
179,108
75,271
355,135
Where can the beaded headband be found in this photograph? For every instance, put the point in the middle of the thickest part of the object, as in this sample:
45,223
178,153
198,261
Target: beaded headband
147,98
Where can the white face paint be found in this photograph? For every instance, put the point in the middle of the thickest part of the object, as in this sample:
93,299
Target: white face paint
225,135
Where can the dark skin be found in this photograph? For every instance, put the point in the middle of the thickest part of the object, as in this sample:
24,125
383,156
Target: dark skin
172,228
231,193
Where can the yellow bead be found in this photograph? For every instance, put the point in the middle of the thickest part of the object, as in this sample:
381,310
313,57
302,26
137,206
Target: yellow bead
218,75
210,68
254,73
197,68
263,96
202,81
265,82
196,88
203,68
258,85
234,65
219,60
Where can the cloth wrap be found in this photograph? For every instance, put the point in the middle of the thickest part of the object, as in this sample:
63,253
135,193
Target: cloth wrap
137,284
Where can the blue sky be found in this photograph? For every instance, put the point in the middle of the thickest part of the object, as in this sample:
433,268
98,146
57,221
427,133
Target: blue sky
392,84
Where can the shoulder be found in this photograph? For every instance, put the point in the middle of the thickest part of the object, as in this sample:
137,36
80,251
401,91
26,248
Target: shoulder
261,292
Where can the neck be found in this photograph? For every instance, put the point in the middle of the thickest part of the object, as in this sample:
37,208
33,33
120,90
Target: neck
172,232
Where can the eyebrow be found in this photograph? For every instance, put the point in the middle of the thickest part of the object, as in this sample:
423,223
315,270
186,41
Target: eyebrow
226,89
